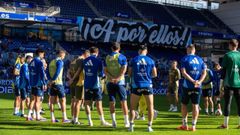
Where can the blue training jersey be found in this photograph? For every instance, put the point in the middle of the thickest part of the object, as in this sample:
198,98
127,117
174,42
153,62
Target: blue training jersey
24,77
142,67
17,77
194,67
93,70
216,80
36,73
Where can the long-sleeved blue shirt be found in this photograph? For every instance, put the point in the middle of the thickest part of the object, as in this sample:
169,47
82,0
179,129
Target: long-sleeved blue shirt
56,67
24,77
17,77
36,73
216,80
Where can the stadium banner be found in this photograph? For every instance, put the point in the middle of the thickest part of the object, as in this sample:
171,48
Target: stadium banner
24,5
6,86
108,30
38,18
214,35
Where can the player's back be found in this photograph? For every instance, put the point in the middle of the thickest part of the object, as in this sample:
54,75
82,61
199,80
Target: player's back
142,71
53,69
93,68
231,62
17,77
34,72
24,76
194,67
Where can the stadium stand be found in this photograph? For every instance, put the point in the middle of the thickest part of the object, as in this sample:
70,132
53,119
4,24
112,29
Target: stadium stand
80,8
114,7
217,21
37,2
157,13
191,17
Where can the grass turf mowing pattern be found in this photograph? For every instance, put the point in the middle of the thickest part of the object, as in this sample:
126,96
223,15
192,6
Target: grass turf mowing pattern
165,124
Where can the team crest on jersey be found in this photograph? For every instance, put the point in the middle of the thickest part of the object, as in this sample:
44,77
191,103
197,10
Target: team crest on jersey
142,62
142,70
236,69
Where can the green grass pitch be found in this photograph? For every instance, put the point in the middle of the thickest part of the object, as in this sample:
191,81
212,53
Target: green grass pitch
165,124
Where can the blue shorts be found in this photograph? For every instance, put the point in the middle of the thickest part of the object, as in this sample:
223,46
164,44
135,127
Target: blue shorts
17,91
142,91
207,92
191,94
93,94
57,90
25,93
37,91
114,89
216,91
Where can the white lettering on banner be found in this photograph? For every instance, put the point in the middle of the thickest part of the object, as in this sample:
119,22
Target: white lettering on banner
6,82
136,33
4,16
6,89
133,32
97,30
6,86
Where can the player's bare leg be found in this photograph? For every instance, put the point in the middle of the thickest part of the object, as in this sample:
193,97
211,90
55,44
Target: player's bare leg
149,100
88,112
133,107
125,113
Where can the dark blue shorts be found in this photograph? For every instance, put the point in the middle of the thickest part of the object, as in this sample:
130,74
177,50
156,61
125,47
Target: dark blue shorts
17,91
37,91
207,92
191,94
216,91
114,89
142,91
93,94
25,93
57,90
